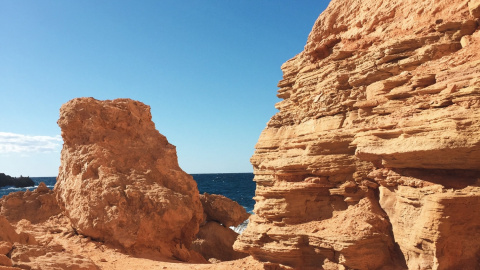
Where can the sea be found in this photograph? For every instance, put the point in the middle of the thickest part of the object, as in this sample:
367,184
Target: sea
236,186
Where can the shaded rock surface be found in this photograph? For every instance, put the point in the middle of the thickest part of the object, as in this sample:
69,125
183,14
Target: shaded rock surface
223,210
372,161
8,235
35,206
216,241
119,179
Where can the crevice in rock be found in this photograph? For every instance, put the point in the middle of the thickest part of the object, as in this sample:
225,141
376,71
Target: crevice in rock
397,256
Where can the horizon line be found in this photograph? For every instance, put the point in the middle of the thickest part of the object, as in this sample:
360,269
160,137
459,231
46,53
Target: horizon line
187,173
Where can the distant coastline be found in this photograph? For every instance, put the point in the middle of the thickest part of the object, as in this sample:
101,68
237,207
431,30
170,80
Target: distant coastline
22,181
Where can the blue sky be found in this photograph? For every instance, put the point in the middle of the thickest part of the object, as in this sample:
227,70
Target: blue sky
208,69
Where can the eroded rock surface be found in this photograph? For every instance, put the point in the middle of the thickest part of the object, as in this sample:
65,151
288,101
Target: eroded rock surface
21,250
223,210
119,179
49,258
35,206
8,235
215,241
373,158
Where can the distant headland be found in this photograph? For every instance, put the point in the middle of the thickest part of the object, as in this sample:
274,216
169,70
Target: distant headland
7,180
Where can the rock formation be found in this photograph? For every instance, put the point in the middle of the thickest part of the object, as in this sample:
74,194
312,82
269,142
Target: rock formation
215,239
10,236
223,210
22,251
35,206
48,258
7,180
372,161
119,179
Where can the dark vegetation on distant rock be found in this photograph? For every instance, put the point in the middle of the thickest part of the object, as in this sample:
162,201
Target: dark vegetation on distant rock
7,180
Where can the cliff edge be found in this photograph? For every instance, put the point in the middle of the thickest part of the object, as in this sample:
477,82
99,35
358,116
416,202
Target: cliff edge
372,161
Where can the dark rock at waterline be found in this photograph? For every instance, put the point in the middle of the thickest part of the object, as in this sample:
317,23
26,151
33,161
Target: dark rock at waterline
7,180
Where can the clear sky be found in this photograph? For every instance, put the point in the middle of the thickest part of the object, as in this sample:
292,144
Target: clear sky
208,69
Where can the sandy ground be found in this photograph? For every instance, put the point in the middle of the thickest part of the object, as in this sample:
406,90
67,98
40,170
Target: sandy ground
57,232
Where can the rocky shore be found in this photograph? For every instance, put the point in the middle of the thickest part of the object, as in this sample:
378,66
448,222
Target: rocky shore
120,198
372,162
7,180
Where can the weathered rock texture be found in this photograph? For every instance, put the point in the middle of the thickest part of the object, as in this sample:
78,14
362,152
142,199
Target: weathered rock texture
215,239
49,258
8,235
223,210
35,206
119,179
373,159
20,250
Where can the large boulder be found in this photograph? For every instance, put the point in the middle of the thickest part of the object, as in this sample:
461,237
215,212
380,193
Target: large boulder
223,210
119,180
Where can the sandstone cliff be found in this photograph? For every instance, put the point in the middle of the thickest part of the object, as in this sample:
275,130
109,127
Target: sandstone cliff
119,181
373,160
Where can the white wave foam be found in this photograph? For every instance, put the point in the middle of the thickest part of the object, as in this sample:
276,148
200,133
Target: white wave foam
240,228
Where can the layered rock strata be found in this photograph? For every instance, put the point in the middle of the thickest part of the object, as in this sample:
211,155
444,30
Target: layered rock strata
119,179
372,161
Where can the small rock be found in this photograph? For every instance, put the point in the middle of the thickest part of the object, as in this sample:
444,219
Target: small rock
5,247
5,261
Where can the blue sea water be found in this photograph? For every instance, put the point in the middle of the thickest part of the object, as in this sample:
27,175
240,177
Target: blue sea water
236,186
49,181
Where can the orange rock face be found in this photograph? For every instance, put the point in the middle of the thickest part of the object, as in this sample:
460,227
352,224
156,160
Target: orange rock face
373,158
223,210
215,239
119,179
35,206
51,258
8,235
